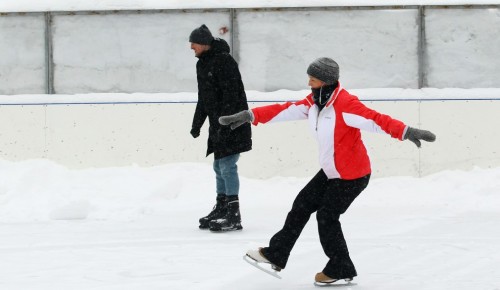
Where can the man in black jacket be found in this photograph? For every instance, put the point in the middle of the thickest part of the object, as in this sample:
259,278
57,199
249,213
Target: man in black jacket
220,93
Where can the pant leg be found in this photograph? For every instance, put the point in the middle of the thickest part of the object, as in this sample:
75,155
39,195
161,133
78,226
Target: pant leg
339,196
220,185
306,203
229,174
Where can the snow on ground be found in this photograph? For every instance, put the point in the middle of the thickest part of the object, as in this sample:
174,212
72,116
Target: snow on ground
136,228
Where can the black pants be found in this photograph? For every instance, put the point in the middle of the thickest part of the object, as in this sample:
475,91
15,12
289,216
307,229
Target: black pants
329,198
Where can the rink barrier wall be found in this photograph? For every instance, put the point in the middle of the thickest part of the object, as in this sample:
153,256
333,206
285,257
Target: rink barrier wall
118,134
69,52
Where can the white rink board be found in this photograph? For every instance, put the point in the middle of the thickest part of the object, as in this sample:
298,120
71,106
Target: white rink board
110,135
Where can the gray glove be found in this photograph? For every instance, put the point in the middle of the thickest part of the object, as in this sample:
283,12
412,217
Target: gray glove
415,135
237,119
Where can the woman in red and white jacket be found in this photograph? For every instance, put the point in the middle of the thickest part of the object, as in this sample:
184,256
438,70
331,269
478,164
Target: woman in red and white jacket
335,118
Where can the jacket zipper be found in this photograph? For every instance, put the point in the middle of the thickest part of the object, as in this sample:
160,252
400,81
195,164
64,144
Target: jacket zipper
317,119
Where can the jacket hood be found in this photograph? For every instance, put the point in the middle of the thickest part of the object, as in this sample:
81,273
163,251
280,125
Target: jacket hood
219,45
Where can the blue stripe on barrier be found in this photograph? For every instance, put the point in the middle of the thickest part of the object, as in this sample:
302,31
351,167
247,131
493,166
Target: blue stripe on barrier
257,101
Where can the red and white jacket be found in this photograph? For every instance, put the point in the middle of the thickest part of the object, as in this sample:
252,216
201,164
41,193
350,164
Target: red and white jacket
336,127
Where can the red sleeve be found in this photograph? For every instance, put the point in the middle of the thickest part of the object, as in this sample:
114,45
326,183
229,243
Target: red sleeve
354,107
282,112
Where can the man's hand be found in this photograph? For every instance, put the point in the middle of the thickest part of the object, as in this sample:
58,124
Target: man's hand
415,135
195,132
237,119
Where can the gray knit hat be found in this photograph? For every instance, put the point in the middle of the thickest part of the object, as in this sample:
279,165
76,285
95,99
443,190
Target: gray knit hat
201,35
324,69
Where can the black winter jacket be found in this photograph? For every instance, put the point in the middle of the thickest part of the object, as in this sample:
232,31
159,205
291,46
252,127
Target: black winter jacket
221,93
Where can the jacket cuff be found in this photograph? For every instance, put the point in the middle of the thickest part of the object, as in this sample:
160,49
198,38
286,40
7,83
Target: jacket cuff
403,137
252,117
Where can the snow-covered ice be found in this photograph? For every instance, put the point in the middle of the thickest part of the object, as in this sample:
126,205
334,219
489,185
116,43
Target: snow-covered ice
136,228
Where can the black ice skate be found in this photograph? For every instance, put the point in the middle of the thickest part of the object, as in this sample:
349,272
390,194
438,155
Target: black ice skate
218,211
231,221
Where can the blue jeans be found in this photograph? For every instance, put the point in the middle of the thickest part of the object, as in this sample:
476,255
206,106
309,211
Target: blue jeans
226,175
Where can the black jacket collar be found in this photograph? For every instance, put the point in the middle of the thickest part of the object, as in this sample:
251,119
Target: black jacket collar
323,94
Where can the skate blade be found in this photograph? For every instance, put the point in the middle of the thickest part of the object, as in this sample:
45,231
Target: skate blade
254,263
225,230
338,283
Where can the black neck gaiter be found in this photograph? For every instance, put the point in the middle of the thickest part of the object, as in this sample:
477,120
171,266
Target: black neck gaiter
323,94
